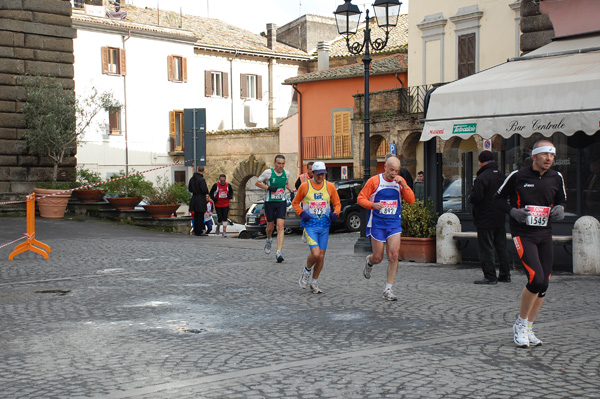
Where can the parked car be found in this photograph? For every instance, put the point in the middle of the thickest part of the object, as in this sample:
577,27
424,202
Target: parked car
256,221
348,191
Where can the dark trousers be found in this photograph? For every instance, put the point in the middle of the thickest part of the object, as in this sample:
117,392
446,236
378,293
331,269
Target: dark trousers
489,243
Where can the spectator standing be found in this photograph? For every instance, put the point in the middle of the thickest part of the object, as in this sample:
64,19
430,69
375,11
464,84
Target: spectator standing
275,180
221,193
208,222
304,177
537,197
489,221
419,186
197,186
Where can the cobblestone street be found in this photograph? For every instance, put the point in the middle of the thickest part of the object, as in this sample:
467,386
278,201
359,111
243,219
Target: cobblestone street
122,312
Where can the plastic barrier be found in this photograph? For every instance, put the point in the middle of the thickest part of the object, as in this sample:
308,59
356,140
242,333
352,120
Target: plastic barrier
31,243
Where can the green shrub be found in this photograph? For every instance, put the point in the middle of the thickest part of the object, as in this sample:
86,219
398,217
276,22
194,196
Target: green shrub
418,219
86,176
164,193
133,186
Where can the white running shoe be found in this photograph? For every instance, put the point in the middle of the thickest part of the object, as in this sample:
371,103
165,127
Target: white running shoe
389,295
367,269
533,340
314,288
303,282
268,246
521,336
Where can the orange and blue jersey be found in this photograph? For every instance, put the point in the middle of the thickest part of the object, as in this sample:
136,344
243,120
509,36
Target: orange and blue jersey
390,195
315,200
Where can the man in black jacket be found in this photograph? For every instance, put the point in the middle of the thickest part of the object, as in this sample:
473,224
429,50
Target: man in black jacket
489,220
197,186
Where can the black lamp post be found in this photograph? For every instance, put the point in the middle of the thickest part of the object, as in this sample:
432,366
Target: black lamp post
347,18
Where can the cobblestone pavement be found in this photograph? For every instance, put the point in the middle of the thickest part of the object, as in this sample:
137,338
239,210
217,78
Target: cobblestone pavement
121,312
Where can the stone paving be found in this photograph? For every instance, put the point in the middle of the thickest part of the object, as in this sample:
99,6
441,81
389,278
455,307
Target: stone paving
122,312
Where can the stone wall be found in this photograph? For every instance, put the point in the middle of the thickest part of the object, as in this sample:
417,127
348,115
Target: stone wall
36,38
536,28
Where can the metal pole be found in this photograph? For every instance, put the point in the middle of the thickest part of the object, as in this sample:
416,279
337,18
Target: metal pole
363,244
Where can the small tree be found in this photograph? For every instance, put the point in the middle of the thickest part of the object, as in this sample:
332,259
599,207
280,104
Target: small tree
55,119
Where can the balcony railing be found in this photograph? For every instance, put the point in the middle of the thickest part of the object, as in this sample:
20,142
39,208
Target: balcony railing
320,147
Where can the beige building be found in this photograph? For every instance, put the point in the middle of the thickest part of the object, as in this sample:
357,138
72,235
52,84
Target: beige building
453,39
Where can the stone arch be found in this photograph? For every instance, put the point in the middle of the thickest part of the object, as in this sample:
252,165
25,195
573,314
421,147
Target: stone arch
244,171
408,151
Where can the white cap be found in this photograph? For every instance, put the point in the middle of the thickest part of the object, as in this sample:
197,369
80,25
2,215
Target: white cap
319,167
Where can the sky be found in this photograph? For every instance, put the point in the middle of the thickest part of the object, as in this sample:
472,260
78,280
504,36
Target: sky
254,15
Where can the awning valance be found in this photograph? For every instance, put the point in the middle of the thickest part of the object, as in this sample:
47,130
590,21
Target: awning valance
553,89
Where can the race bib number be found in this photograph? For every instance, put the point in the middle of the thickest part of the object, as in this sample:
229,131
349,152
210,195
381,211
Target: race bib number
538,215
317,208
222,194
389,207
278,195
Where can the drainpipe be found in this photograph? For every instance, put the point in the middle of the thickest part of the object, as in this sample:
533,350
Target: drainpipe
300,151
231,84
125,108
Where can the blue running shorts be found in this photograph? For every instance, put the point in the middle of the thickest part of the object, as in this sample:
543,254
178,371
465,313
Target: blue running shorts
317,236
382,234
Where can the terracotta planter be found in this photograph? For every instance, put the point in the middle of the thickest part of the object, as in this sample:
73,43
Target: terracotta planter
89,195
124,203
52,207
160,211
420,250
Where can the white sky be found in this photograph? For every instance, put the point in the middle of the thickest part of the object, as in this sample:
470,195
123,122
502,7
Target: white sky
254,15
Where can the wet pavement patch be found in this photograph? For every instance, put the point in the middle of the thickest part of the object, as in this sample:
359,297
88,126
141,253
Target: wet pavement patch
58,292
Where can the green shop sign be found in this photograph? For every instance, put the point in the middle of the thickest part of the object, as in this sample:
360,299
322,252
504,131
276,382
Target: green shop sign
464,128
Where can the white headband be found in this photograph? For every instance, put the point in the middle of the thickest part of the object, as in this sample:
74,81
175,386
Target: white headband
547,148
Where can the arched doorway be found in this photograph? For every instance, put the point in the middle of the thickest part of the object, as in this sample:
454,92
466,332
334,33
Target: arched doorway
242,175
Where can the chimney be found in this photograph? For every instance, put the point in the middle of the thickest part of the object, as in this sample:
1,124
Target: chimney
323,49
271,35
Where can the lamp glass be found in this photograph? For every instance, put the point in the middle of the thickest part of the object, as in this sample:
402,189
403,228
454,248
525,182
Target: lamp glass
347,18
386,12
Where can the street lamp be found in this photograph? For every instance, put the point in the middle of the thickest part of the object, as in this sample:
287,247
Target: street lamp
347,17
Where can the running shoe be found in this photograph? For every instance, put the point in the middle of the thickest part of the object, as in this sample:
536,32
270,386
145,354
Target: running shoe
533,340
224,236
368,269
278,256
268,247
303,282
314,288
521,336
388,295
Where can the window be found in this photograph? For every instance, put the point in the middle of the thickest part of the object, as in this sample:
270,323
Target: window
342,138
176,130
251,86
113,61
177,68
114,120
216,84
466,55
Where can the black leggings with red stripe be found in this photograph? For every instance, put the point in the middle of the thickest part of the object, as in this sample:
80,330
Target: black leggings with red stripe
537,256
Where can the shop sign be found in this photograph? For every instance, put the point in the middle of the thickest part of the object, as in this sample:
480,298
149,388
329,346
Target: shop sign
465,128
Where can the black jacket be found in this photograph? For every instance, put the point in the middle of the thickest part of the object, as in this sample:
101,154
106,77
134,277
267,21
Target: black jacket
527,187
197,186
486,214
406,175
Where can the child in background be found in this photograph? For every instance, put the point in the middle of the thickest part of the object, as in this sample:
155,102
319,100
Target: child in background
208,222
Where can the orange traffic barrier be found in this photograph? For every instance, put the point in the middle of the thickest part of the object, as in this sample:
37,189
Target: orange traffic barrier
31,243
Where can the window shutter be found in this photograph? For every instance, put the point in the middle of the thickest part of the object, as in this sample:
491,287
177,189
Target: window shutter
170,68
172,126
123,62
259,87
104,52
346,123
207,84
243,86
184,68
466,55
225,85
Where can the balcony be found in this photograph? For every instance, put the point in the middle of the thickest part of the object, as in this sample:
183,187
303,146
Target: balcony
320,147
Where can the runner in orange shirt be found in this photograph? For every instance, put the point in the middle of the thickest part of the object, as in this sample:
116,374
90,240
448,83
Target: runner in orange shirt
383,194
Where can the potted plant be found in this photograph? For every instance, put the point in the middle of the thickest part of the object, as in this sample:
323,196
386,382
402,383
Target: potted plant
55,120
418,232
126,192
164,198
86,177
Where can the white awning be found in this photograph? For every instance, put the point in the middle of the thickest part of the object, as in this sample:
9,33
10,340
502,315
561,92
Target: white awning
553,89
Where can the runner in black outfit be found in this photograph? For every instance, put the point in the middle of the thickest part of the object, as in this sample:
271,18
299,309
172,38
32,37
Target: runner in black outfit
537,195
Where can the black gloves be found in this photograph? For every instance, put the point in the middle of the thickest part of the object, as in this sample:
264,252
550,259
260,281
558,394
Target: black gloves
273,188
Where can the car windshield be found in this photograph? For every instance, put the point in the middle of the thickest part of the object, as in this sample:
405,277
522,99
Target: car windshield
454,189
